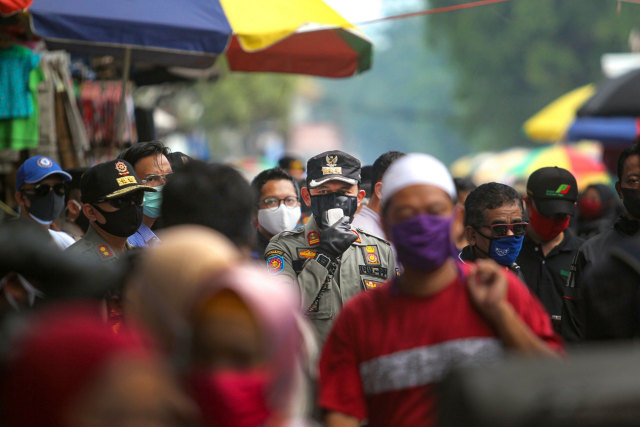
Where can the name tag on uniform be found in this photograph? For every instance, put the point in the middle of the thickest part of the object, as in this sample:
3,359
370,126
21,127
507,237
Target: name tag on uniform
375,271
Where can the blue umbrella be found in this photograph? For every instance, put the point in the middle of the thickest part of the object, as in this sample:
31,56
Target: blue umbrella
612,130
188,33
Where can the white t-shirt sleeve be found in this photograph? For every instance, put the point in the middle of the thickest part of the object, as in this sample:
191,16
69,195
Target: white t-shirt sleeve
62,239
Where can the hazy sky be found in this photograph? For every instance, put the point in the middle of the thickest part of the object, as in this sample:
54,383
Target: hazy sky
357,10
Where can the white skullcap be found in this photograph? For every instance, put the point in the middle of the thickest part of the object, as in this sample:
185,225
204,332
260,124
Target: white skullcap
416,168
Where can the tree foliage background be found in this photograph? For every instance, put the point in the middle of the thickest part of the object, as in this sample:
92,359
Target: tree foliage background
513,58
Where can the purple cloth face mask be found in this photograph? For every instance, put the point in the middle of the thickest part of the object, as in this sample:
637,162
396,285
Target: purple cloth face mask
423,242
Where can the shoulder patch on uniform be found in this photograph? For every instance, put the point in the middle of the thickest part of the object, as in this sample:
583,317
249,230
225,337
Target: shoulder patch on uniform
306,253
358,240
273,252
275,264
313,238
104,251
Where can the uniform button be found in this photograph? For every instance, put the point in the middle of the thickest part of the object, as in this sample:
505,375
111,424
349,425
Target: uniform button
536,249
544,262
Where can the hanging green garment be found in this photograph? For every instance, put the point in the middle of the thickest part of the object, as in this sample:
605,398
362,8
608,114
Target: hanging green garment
22,133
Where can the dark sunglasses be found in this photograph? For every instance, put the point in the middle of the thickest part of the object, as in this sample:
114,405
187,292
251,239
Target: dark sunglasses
501,230
42,190
123,202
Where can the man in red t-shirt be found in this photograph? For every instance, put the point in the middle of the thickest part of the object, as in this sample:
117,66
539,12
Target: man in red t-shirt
391,345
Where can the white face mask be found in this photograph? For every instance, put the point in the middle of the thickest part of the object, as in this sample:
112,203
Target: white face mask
278,220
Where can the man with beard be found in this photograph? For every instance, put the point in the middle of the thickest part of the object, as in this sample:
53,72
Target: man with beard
112,201
40,195
327,259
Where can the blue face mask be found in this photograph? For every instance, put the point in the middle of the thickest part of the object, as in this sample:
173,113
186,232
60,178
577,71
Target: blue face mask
152,202
505,250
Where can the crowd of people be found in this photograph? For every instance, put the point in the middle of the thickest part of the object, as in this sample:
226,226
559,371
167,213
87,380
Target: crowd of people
156,289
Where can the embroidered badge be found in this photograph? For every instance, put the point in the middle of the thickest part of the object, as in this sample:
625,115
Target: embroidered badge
372,259
44,162
105,251
370,284
331,168
371,249
122,168
313,238
275,264
306,253
125,180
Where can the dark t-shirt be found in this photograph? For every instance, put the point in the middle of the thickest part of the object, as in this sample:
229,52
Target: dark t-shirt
546,276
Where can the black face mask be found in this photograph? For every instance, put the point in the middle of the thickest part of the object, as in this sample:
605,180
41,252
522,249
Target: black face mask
46,208
321,204
123,222
631,201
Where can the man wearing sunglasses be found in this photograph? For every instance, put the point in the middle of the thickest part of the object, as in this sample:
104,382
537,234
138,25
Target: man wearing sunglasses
151,166
278,206
495,225
40,194
549,248
112,199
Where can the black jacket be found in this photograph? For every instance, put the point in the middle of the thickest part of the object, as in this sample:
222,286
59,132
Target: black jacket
593,251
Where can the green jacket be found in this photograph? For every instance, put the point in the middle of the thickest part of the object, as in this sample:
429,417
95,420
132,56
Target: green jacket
367,263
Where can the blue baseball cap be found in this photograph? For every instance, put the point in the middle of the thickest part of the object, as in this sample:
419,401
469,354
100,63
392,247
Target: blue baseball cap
38,168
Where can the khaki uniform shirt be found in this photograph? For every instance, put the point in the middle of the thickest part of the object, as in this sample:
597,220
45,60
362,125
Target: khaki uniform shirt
94,247
366,264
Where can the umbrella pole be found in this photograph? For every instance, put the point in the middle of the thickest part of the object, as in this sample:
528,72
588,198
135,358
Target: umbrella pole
122,108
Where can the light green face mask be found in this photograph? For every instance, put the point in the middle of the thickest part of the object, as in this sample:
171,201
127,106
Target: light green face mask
152,202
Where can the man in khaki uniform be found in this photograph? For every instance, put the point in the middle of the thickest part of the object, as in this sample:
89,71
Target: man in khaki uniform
112,201
329,261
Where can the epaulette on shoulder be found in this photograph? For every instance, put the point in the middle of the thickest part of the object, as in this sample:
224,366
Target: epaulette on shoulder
373,236
299,230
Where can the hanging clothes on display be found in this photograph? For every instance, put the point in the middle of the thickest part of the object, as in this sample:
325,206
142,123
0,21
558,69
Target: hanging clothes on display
99,103
19,79
63,136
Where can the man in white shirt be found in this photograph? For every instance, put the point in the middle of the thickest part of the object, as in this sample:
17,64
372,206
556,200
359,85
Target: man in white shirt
368,218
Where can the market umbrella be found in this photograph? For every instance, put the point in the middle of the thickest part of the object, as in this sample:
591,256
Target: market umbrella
583,163
608,130
289,36
8,7
552,122
619,97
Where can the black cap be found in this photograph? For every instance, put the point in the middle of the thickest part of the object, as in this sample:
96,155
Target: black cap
290,162
110,180
333,165
554,191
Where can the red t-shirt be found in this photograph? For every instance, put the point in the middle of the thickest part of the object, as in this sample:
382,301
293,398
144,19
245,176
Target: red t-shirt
387,350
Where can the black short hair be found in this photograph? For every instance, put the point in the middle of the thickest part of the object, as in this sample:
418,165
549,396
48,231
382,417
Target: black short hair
141,150
212,195
263,177
381,165
463,185
488,196
177,159
632,150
